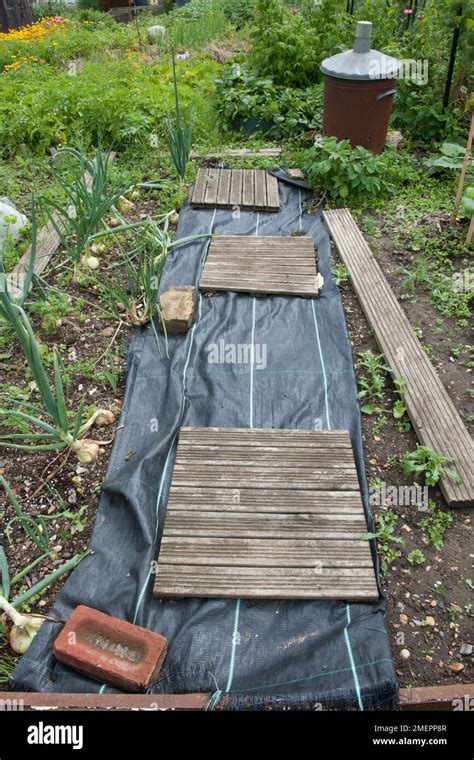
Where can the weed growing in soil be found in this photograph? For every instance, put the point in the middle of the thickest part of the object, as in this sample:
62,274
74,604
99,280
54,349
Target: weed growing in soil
372,382
435,525
430,465
387,540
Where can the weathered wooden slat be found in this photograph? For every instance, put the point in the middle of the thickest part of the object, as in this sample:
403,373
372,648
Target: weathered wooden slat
269,461
199,193
334,480
265,436
264,525
248,189
339,504
282,266
266,288
300,243
266,583
273,199
212,186
235,196
433,414
223,192
241,552
241,517
260,190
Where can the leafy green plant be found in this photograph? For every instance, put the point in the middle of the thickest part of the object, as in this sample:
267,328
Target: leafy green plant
52,309
342,171
246,99
26,626
340,272
427,463
416,557
399,408
435,525
372,383
180,132
387,540
289,45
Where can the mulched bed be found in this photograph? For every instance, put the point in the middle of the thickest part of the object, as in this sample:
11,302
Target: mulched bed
410,590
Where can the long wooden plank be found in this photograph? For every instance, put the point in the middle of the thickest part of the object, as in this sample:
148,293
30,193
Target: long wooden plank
433,414
266,583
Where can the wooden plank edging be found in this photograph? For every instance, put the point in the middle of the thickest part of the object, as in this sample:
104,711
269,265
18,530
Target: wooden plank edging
432,412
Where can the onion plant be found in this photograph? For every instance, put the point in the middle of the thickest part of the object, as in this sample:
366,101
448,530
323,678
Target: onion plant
180,132
132,293
91,194
49,422
24,627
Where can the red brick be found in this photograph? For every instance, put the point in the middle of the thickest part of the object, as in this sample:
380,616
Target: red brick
110,650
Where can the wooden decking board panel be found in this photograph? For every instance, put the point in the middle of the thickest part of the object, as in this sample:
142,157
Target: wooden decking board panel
433,414
281,518
251,189
247,265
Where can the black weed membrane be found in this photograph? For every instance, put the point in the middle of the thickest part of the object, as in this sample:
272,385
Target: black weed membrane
246,654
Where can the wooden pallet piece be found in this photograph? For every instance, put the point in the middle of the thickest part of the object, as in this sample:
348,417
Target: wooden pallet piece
265,514
433,414
263,265
250,189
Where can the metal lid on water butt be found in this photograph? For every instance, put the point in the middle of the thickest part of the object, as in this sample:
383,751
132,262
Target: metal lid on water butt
361,62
